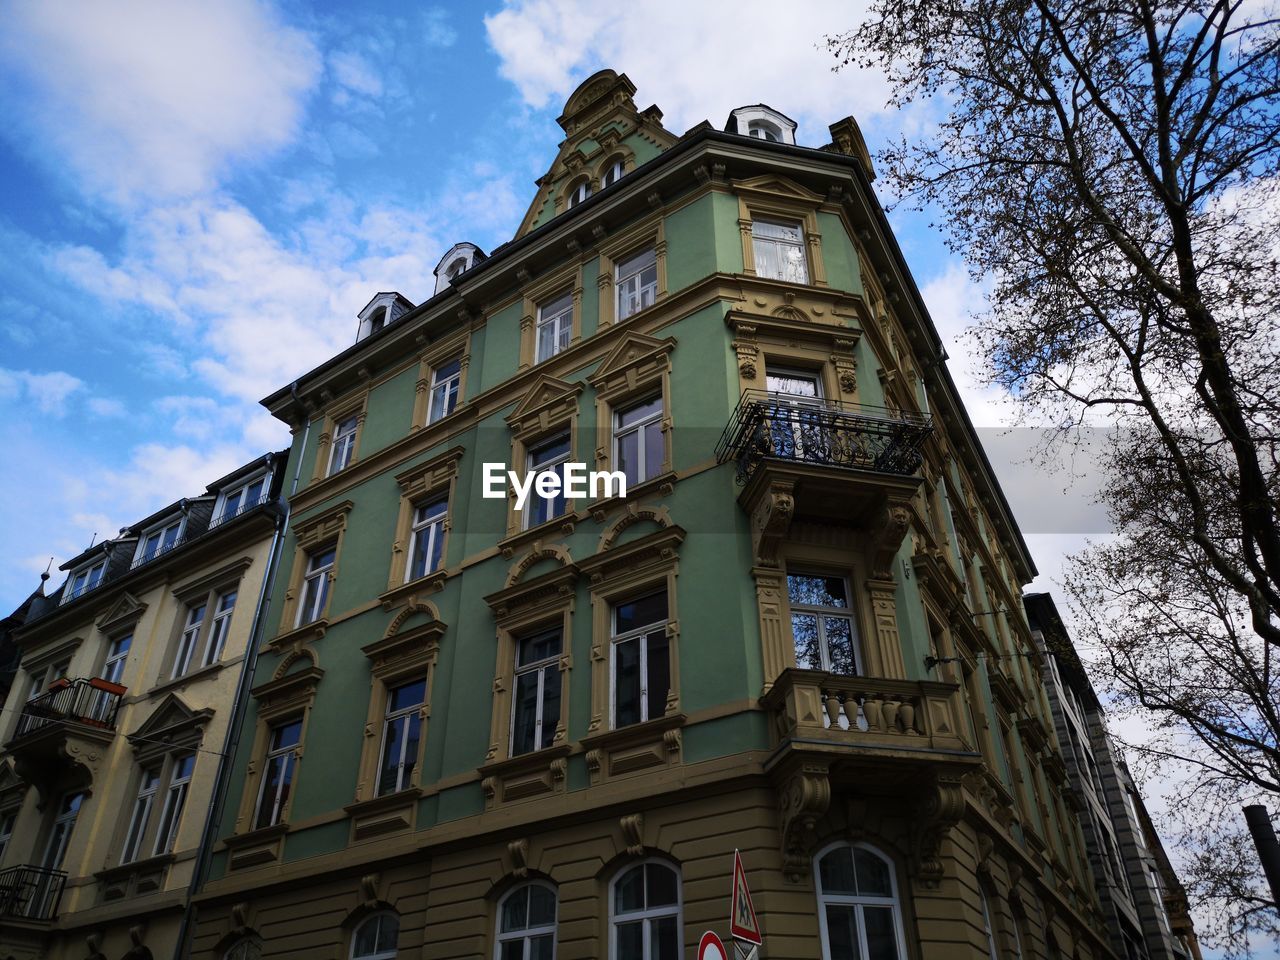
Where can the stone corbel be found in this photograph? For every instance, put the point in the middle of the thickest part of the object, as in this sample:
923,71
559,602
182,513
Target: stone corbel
886,539
845,362
804,800
938,811
518,851
771,520
633,833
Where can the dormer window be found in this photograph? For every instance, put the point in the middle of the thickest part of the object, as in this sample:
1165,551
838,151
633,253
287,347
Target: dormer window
763,130
456,269
579,193
457,260
84,580
236,500
156,541
378,321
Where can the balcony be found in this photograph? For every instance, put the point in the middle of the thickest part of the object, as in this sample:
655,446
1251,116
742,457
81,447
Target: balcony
806,430
31,893
62,732
899,728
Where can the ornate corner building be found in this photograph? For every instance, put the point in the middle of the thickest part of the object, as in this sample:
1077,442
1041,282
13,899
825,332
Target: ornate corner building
487,725
117,718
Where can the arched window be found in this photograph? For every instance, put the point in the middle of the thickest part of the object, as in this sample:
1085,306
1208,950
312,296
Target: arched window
644,913
456,268
858,901
375,938
613,173
579,193
764,130
527,923
246,948
987,927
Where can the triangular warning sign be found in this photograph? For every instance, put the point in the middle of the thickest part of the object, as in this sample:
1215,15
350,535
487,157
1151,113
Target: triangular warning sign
743,924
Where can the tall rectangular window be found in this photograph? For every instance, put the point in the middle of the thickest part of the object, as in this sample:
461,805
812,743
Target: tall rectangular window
315,585
278,773
445,381
637,282
158,541
822,624
535,707
117,656
344,444
638,449
548,456
175,799
426,544
779,251
187,642
147,786
401,733
7,821
224,607
555,326
641,659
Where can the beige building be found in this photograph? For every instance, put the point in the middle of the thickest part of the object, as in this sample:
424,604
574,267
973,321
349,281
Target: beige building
115,725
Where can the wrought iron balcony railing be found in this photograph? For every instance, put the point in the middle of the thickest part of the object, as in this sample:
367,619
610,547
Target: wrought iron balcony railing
92,702
31,893
779,426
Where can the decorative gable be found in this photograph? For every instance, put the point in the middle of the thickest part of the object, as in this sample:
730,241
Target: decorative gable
548,401
124,612
774,187
172,724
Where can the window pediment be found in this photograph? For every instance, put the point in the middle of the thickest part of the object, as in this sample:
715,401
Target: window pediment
313,531
431,475
547,402
405,651
124,612
172,724
774,187
636,358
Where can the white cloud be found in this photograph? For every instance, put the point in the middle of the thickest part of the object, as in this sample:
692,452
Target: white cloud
697,61
143,99
356,74
436,31
106,407
47,392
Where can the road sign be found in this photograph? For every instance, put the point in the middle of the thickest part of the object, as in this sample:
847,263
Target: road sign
743,924
710,948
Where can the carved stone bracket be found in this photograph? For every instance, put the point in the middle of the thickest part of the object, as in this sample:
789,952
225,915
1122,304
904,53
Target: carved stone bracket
633,833
938,811
518,850
805,798
771,520
887,536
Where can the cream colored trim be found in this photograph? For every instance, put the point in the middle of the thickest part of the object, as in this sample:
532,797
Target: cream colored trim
456,347
310,534
638,367
419,484
777,197
356,406
650,234
566,279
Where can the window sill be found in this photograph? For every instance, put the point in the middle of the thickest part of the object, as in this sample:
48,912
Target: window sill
530,775
378,816
634,750
561,526
133,878
663,485
256,847
634,733
431,583
308,631
195,676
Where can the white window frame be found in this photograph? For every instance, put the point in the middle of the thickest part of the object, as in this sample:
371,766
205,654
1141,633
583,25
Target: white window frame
646,470
64,824
540,667
141,817
390,718
822,613
577,195
116,658
190,638
220,626
615,172
8,820
378,954
629,286
648,914
993,952
240,493
778,243
442,389
343,444
175,800
44,679
642,634
288,755
92,572
858,901
559,321
321,575
428,524
525,935
163,543
539,466
764,130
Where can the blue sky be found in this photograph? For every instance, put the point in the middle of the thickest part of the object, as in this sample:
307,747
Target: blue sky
199,198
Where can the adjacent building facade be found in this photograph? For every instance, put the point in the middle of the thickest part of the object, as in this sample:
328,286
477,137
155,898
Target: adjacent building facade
117,719
526,726
1143,902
